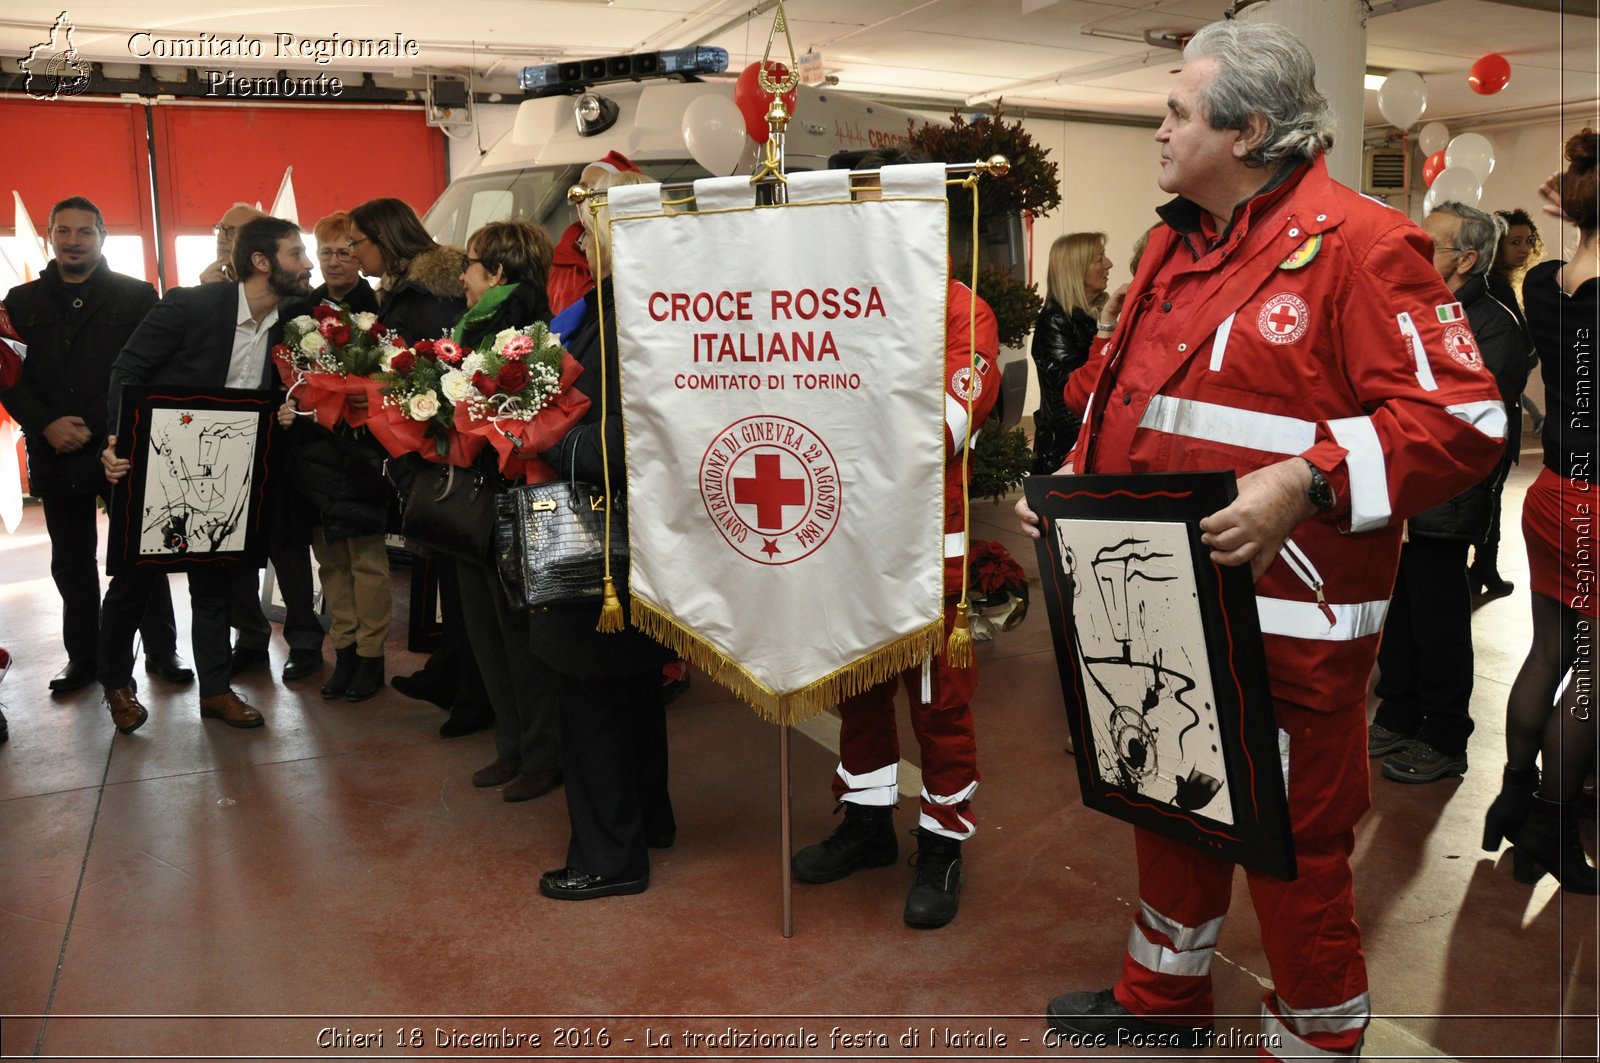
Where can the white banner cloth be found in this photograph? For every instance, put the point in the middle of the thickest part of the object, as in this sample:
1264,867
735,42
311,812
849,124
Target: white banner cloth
783,397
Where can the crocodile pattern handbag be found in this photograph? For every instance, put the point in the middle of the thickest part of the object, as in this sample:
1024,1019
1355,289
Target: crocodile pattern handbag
549,543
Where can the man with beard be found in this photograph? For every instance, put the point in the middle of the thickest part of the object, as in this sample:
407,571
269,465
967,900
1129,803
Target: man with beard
214,335
74,319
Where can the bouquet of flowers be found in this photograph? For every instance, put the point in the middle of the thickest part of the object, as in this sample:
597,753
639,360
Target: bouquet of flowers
408,408
326,356
515,392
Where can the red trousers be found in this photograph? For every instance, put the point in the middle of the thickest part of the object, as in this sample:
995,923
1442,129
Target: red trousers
1319,1000
869,746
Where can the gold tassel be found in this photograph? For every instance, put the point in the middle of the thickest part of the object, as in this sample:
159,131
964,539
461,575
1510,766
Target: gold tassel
610,610
958,651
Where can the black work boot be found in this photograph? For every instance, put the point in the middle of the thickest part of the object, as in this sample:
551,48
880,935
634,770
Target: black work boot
344,670
367,679
865,839
936,890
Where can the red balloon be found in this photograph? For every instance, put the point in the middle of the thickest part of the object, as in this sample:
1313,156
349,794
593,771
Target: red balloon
1432,167
1489,74
753,101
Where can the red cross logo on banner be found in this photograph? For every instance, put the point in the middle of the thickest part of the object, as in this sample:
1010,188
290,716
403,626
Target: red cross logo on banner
1462,346
769,491
1284,318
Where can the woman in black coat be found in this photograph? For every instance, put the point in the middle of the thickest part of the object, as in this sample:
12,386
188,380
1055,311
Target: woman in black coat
612,708
1079,270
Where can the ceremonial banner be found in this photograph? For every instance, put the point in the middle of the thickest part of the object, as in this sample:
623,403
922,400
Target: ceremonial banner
783,397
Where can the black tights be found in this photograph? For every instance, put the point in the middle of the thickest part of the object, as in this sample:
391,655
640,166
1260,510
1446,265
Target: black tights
1535,725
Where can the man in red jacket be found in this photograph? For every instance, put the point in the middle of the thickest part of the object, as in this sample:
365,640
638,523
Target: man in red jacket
1282,326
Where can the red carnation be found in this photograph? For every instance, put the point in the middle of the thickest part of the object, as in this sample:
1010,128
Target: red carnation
485,383
403,362
339,335
513,376
324,310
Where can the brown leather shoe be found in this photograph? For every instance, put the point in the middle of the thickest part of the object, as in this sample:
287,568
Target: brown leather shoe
126,712
232,710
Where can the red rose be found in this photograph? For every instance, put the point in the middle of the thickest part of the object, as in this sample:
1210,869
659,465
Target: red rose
485,383
324,310
339,335
403,362
425,349
377,331
513,376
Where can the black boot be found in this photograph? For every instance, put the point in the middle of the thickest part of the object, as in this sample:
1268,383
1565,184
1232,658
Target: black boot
367,680
865,839
936,889
1547,841
1512,805
344,669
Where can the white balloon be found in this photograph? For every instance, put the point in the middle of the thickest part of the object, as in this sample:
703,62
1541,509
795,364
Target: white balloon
1402,99
1433,137
714,131
1430,201
1472,151
1457,183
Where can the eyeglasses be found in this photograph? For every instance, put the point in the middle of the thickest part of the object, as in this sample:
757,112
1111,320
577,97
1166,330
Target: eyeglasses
474,262
225,230
358,241
343,254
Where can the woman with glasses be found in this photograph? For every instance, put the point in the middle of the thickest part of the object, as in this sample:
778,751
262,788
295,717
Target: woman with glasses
419,293
341,276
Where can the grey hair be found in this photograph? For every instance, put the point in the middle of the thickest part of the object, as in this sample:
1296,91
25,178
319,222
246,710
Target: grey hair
1480,231
1264,69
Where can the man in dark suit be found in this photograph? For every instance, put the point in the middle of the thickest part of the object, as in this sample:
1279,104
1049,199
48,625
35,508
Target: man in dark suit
74,319
215,335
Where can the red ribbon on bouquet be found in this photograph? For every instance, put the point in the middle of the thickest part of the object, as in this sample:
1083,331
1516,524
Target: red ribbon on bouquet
519,440
400,434
327,395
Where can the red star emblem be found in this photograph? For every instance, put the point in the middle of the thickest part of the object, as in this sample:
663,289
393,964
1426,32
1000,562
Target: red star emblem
769,547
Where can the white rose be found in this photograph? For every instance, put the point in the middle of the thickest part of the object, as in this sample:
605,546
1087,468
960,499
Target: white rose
422,406
503,335
472,363
456,385
313,343
386,359
365,320
305,322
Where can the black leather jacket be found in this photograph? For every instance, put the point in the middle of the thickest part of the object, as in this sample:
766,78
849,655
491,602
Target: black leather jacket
1060,346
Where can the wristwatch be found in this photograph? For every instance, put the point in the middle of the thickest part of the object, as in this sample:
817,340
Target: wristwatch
1321,491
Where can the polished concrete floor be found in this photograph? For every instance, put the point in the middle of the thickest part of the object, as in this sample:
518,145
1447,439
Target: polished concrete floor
331,885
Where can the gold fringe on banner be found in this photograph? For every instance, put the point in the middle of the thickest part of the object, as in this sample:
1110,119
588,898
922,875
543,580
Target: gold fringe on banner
908,651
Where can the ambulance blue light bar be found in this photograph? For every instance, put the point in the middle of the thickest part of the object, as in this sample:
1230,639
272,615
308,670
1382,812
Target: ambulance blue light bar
576,75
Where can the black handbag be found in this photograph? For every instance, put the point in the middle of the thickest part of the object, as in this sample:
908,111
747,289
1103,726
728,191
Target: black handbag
549,543
451,511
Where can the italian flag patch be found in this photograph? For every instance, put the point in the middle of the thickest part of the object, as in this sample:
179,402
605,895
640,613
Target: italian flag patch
1450,312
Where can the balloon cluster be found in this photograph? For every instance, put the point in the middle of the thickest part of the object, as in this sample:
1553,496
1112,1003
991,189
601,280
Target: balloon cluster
1454,169
723,135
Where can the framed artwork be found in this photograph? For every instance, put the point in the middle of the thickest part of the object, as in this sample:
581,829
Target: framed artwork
1161,662
193,496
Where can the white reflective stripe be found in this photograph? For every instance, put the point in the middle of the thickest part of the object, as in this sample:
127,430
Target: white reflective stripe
1367,471
872,788
628,200
927,680
1306,620
1488,417
955,419
1220,344
928,823
1229,424
1285,1045
1353,1014
963,794
1408,329
1283,756
955,544
1162,960
1183,938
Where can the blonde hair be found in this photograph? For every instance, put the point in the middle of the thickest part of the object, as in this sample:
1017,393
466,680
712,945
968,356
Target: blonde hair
598,225
1070,257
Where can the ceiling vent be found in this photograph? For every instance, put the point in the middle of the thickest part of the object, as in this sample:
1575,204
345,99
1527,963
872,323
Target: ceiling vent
1385,172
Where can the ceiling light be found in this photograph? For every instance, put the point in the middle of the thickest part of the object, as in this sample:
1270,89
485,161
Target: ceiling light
1373,82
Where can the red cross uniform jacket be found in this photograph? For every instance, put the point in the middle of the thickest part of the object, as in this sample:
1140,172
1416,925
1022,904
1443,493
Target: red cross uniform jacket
970,371
1315,326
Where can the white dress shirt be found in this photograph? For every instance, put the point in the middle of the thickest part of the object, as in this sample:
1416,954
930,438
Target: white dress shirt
248,365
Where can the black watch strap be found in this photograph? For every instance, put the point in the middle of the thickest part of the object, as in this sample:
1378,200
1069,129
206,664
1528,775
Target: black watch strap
1321,491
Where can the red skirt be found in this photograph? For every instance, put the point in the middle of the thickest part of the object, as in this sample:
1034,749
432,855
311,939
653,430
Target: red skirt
1558,525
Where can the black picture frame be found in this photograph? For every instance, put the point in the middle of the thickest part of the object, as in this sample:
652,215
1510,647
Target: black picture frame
193,498
1162,667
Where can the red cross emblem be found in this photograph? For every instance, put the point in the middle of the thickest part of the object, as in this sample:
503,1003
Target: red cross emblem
769,491
1284,318
1462,346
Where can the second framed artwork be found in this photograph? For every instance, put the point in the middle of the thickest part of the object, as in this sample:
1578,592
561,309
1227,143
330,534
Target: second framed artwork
1161,663
194,495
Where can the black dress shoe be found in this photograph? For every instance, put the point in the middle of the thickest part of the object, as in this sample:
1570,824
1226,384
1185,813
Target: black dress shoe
367,679
75,676
1101,1015
168,666
420,690
302,663
243,660
569,884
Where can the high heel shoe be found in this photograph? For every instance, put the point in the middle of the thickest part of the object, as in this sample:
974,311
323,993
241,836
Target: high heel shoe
1547,841
1511,806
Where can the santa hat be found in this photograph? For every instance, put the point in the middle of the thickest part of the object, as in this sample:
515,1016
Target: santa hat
616,162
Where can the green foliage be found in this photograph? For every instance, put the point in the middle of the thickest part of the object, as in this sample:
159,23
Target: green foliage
1031,187
1000,459
1016,305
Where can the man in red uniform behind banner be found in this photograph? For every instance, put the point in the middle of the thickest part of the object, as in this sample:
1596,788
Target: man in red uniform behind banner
866,783
1282,326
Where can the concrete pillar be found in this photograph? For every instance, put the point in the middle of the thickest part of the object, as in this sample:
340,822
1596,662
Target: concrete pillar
1336,33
